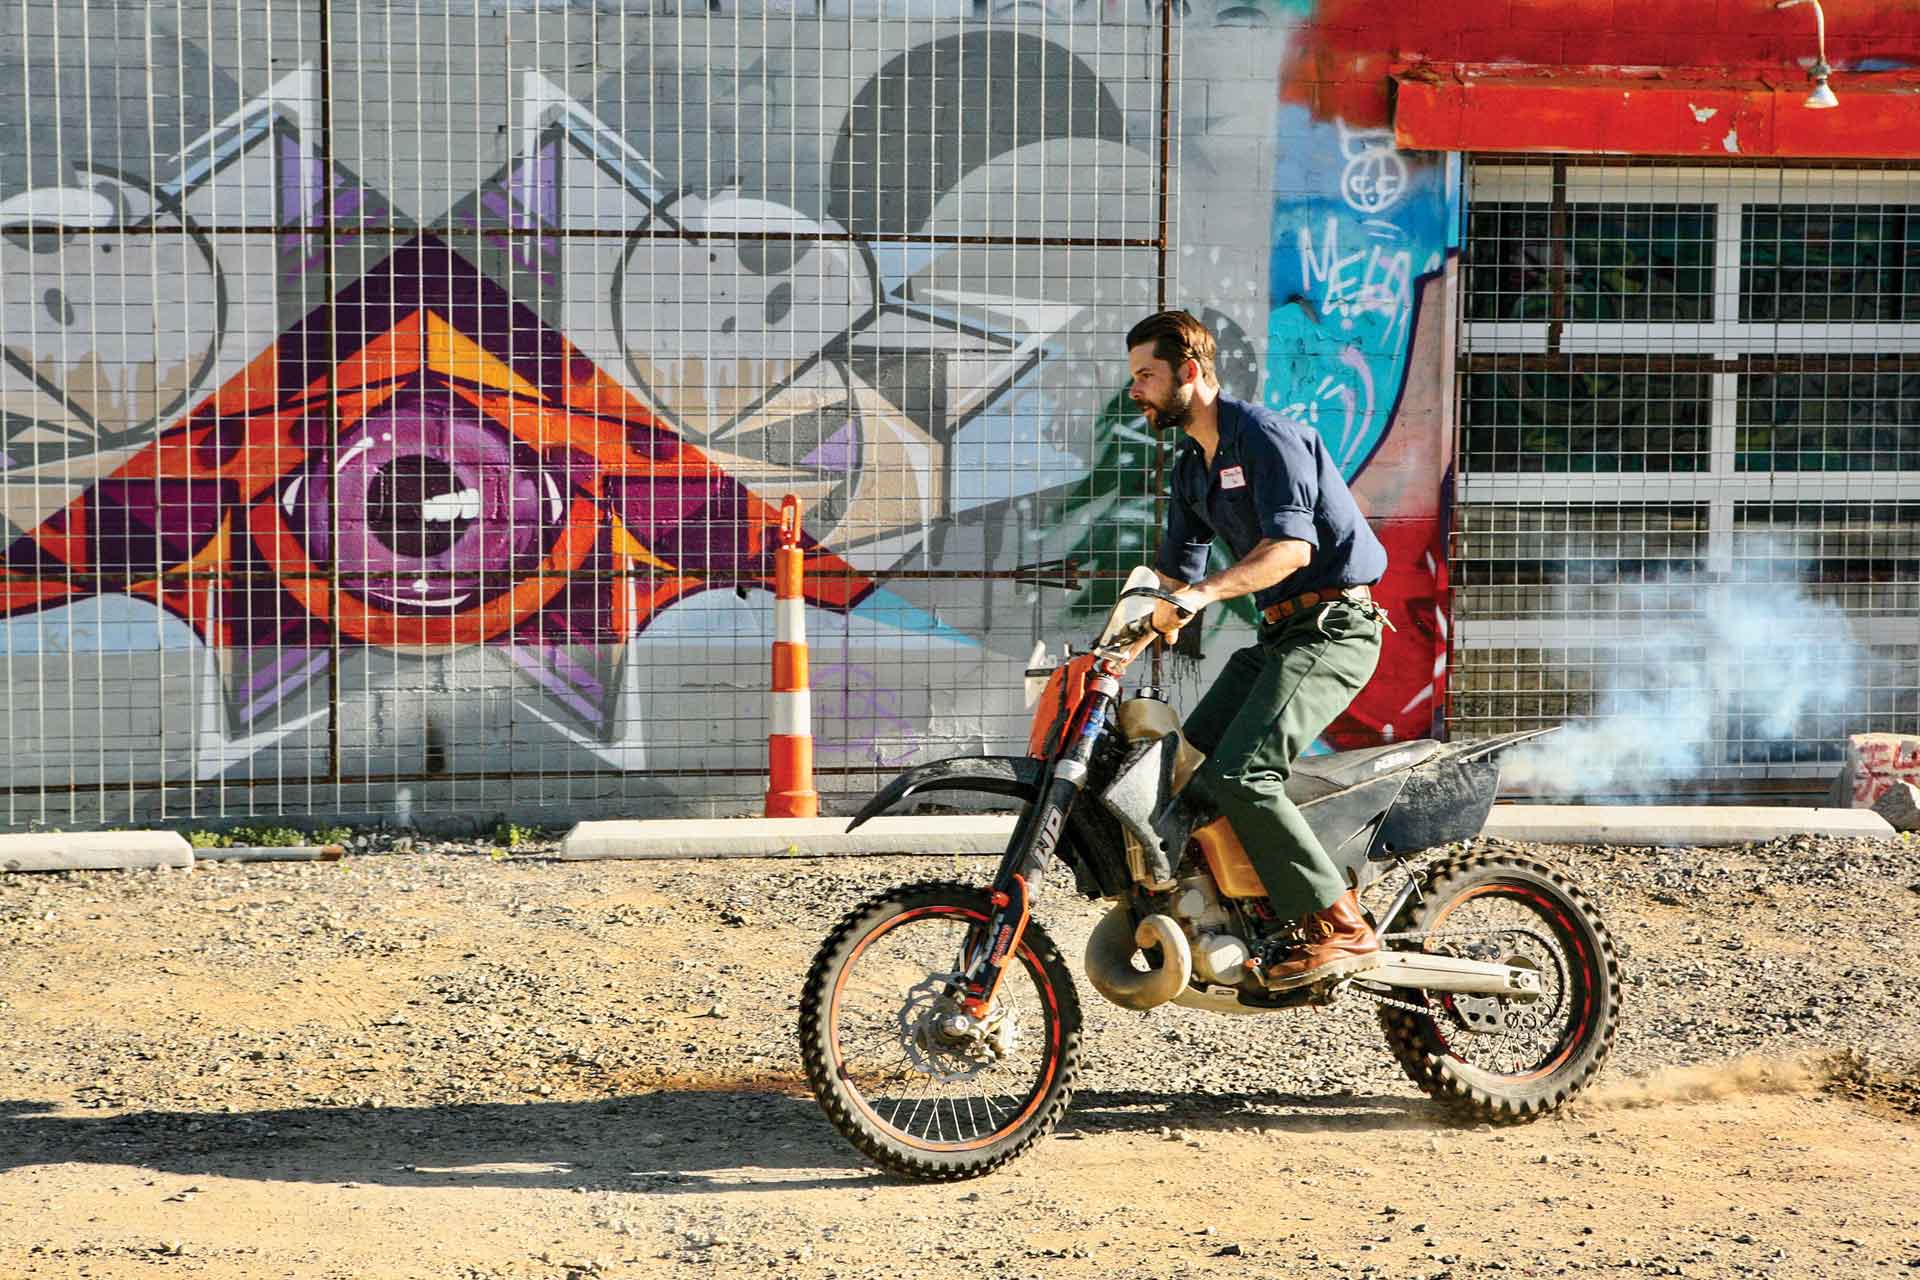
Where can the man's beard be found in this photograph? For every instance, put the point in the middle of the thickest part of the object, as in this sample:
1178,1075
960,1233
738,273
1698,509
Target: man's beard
1175,413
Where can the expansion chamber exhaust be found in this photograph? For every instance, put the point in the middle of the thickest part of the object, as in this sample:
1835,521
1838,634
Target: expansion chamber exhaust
1111,949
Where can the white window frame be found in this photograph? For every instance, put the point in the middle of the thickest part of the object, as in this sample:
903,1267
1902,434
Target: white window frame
1720,487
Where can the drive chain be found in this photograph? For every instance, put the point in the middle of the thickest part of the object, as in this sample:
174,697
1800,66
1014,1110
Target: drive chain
1390,1002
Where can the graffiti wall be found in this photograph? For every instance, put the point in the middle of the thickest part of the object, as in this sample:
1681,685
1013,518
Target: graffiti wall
396,409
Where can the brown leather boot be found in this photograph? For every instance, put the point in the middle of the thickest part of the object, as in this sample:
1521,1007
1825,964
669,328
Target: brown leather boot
1339,941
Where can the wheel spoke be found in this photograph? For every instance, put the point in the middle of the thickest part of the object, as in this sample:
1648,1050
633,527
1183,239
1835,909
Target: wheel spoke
1507,926
926,1082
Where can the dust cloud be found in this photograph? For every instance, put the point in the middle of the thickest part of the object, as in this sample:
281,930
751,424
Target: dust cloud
1709,1082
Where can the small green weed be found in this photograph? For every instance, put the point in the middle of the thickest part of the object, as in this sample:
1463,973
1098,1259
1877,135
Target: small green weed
511,835
267,837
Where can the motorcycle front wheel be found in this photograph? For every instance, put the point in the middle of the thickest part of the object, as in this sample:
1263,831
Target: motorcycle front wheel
1500,1059
902,1071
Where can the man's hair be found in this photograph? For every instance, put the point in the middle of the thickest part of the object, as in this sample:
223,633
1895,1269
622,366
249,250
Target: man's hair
1177,338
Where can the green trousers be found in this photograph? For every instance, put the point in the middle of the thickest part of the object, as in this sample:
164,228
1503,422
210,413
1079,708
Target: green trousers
1269,704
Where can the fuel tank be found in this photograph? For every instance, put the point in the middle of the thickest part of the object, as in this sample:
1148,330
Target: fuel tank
1145,719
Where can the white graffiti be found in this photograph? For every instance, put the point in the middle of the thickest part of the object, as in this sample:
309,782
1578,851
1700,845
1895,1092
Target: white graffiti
1359,400
1375,178
1370,280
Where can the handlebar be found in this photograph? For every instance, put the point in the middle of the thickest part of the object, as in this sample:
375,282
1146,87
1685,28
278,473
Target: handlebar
1130,637
1157,594
1127,637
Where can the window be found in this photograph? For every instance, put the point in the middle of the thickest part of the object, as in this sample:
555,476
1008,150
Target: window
1689,394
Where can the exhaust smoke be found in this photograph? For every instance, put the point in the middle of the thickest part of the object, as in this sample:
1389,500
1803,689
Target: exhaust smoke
1712,670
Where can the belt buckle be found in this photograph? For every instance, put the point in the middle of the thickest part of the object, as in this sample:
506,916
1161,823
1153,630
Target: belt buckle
1281,610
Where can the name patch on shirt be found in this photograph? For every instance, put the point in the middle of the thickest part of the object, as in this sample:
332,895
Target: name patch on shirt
1233,478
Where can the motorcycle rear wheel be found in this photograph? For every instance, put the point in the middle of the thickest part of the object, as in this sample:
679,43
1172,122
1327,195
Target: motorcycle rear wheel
920,1102
1470,1053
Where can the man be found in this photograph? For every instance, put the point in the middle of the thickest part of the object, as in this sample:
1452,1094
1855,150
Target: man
1266,486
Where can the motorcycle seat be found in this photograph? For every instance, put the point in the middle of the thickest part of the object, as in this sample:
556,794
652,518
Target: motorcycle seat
1316,776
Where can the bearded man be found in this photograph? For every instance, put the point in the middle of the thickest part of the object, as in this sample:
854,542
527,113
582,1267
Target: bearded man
1266,486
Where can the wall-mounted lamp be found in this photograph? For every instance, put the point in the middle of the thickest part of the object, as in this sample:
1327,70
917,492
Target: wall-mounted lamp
1822,95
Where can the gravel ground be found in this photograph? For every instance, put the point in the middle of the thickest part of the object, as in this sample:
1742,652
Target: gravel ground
446,1062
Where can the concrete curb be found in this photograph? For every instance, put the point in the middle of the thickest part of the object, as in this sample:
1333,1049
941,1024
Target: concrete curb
785,837
94,851
1699,826
956,834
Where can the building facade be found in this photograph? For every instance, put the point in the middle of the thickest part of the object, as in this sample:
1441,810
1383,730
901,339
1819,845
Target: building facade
398,399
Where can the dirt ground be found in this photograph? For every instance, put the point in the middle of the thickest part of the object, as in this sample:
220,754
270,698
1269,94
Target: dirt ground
442,1064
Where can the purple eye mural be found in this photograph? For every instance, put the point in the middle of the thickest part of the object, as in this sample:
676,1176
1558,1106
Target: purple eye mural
481,489
440,509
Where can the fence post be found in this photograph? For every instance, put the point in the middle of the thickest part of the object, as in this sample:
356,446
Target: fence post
790,792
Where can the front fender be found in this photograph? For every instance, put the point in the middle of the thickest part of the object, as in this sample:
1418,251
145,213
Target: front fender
1015,776
1094,845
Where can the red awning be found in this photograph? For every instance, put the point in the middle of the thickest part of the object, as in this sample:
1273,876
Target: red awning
1654,112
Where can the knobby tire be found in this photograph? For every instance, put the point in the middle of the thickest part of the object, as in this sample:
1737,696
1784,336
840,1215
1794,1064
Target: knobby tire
840,1099
1420,1044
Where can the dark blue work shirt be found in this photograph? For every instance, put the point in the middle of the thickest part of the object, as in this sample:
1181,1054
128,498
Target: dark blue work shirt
1271,477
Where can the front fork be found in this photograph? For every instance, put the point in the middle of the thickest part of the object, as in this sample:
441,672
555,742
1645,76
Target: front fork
1031,850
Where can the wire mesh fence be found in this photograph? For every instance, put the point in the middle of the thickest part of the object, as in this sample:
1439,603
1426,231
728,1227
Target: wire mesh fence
1687,431
398,397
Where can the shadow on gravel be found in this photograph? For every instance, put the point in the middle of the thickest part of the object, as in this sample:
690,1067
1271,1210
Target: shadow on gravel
652,1141
685,1140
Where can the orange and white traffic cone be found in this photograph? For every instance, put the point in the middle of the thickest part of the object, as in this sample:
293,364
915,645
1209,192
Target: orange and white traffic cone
790,792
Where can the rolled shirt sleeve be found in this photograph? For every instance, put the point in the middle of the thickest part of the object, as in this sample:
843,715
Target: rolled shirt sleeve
1183,551
1284,476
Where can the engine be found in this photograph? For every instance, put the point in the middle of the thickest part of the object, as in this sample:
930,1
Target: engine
1214,931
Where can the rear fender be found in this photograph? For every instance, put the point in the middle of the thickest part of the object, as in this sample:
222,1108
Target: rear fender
1093,845
1445,800
1448,796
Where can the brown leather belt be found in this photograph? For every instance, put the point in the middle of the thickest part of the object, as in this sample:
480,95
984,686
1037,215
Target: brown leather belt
1280,610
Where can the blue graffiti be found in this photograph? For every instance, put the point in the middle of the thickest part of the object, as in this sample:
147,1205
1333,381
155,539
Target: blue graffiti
1346,273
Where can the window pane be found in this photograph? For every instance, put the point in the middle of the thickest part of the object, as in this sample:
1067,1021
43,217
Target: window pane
1578,422
1829,422
1505,690
1641,262
1858,559
1625,262
1508,253
1512,561
1861,557
1829,263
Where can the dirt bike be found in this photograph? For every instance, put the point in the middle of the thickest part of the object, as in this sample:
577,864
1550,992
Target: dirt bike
939,1024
